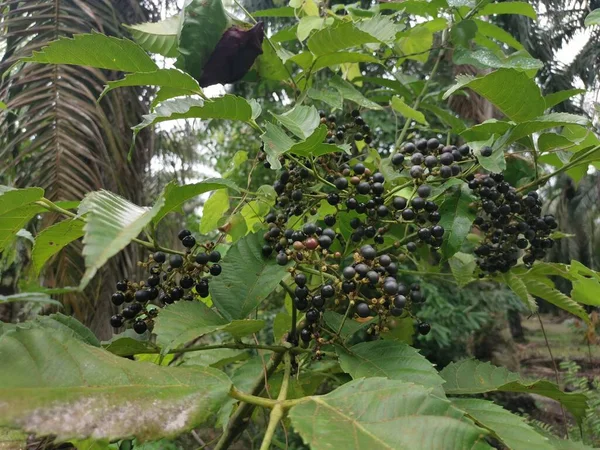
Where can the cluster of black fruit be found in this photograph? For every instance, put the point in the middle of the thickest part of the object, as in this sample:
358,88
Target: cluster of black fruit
178,278
361,197
511,224
429,157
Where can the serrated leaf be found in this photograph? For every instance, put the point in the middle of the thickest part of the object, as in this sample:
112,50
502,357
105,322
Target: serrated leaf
184,321
518,287
486,58
349,92
85,391
512,430
284,11
416,44
163,78
400,106
96,50
334,59
53,239
521,8
350,327
326,96
242,328
308,24
593,18
340,36
111,223
203,25
462,33
214,208
494,163
493,31
218,357
229,107
67,324
157,37
376,413
130,343
494,86
33,297
175,196
277,142
11,199
457,220
390,359
558,97
14,220
557,298
247,278
462,266
302,121
475,377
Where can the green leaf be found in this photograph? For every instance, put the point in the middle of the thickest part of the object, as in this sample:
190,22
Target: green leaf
557,298
593,18
301,120
11,199
218,357
314,146
463,32
111,223
229,107
333,59
96,50
494,87
308,24
242,328
126,344
340,36
457,220
53,239
284,11
400,106
184,321
247,278
518,287
327,96
204,22
416,44
349,92
214,208
486,130
164,78
510,429
558,97
66,324
496,162
281,325
470,376
276,144
461,3
33,297
381,414
490,30
585,290
484,58
85,391
16,210
157,37
538,124
381,27
390,359
521,8
269,64
462,266
175,196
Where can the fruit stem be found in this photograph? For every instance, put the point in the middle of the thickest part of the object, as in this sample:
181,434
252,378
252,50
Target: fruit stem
423,91
574,162
278,412
316,272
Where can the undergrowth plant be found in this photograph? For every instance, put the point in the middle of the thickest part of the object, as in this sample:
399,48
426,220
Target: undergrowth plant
340,242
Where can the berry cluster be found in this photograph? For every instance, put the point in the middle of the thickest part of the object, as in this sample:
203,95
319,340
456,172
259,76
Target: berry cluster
511,223
179,277
430,157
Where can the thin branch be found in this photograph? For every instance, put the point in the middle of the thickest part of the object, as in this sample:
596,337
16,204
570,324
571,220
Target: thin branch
231,345
555,373
278,412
